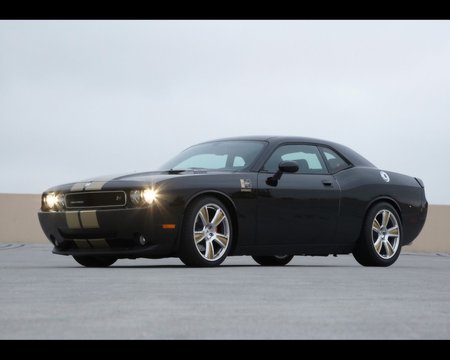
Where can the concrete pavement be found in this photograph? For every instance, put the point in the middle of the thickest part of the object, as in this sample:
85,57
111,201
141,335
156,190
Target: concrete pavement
45,296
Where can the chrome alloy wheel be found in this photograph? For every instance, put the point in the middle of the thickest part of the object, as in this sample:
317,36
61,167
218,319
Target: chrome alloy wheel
385,234
211,232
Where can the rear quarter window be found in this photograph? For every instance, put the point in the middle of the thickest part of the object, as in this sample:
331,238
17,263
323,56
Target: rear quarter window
334,161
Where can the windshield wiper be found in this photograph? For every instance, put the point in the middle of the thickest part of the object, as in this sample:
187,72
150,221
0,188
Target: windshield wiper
175,171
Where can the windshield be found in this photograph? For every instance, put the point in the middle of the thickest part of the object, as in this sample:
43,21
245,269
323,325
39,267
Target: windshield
217,155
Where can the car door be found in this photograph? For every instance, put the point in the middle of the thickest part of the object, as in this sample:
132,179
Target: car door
302,207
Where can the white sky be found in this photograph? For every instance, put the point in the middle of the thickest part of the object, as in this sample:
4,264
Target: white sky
86,98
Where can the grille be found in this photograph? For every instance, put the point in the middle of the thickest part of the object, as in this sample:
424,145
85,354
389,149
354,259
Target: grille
90,199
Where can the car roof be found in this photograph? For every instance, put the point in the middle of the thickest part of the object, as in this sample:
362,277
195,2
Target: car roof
355,158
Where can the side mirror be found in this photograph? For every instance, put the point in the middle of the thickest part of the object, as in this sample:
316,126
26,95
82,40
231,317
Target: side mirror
288,166
284,166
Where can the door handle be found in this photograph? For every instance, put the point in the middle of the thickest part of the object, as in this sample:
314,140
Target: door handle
327,182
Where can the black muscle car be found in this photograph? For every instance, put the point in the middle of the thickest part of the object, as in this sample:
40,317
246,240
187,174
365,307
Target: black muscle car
268,197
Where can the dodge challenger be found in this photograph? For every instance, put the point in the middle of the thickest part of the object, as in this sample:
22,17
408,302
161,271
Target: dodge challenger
267,197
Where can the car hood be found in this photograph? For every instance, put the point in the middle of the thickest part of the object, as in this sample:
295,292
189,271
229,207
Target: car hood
155,176
130,180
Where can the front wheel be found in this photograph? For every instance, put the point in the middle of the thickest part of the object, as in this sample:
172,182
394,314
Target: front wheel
95,261
207,233
277,260
380,240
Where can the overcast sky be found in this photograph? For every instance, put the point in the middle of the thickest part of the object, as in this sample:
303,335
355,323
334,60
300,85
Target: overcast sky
86,98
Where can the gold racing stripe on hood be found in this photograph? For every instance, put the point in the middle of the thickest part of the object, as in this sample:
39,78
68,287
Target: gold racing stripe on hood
77,186
95,185
82,244
88,186
72,219
89,219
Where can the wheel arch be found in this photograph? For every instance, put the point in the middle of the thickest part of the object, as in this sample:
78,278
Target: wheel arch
387,199
228,202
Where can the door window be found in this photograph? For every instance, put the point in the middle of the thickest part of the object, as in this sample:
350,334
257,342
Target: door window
306,156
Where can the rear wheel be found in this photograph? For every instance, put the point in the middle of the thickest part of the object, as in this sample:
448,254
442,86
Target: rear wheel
380,240
95,261
207,233
277,260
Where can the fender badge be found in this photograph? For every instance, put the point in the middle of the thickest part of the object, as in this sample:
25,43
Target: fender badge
246,185
385,176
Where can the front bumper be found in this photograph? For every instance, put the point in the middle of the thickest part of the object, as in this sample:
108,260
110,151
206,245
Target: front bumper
114,232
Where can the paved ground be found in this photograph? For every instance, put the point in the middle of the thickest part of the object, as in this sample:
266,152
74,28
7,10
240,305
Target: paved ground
45,296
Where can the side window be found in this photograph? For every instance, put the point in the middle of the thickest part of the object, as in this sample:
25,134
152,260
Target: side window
306,156
334,161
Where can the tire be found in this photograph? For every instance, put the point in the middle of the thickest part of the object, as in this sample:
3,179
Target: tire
207,232
380,240
273,260
94,261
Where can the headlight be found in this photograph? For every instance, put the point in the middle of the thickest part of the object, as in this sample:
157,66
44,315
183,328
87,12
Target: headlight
143,197
149,195
54,201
